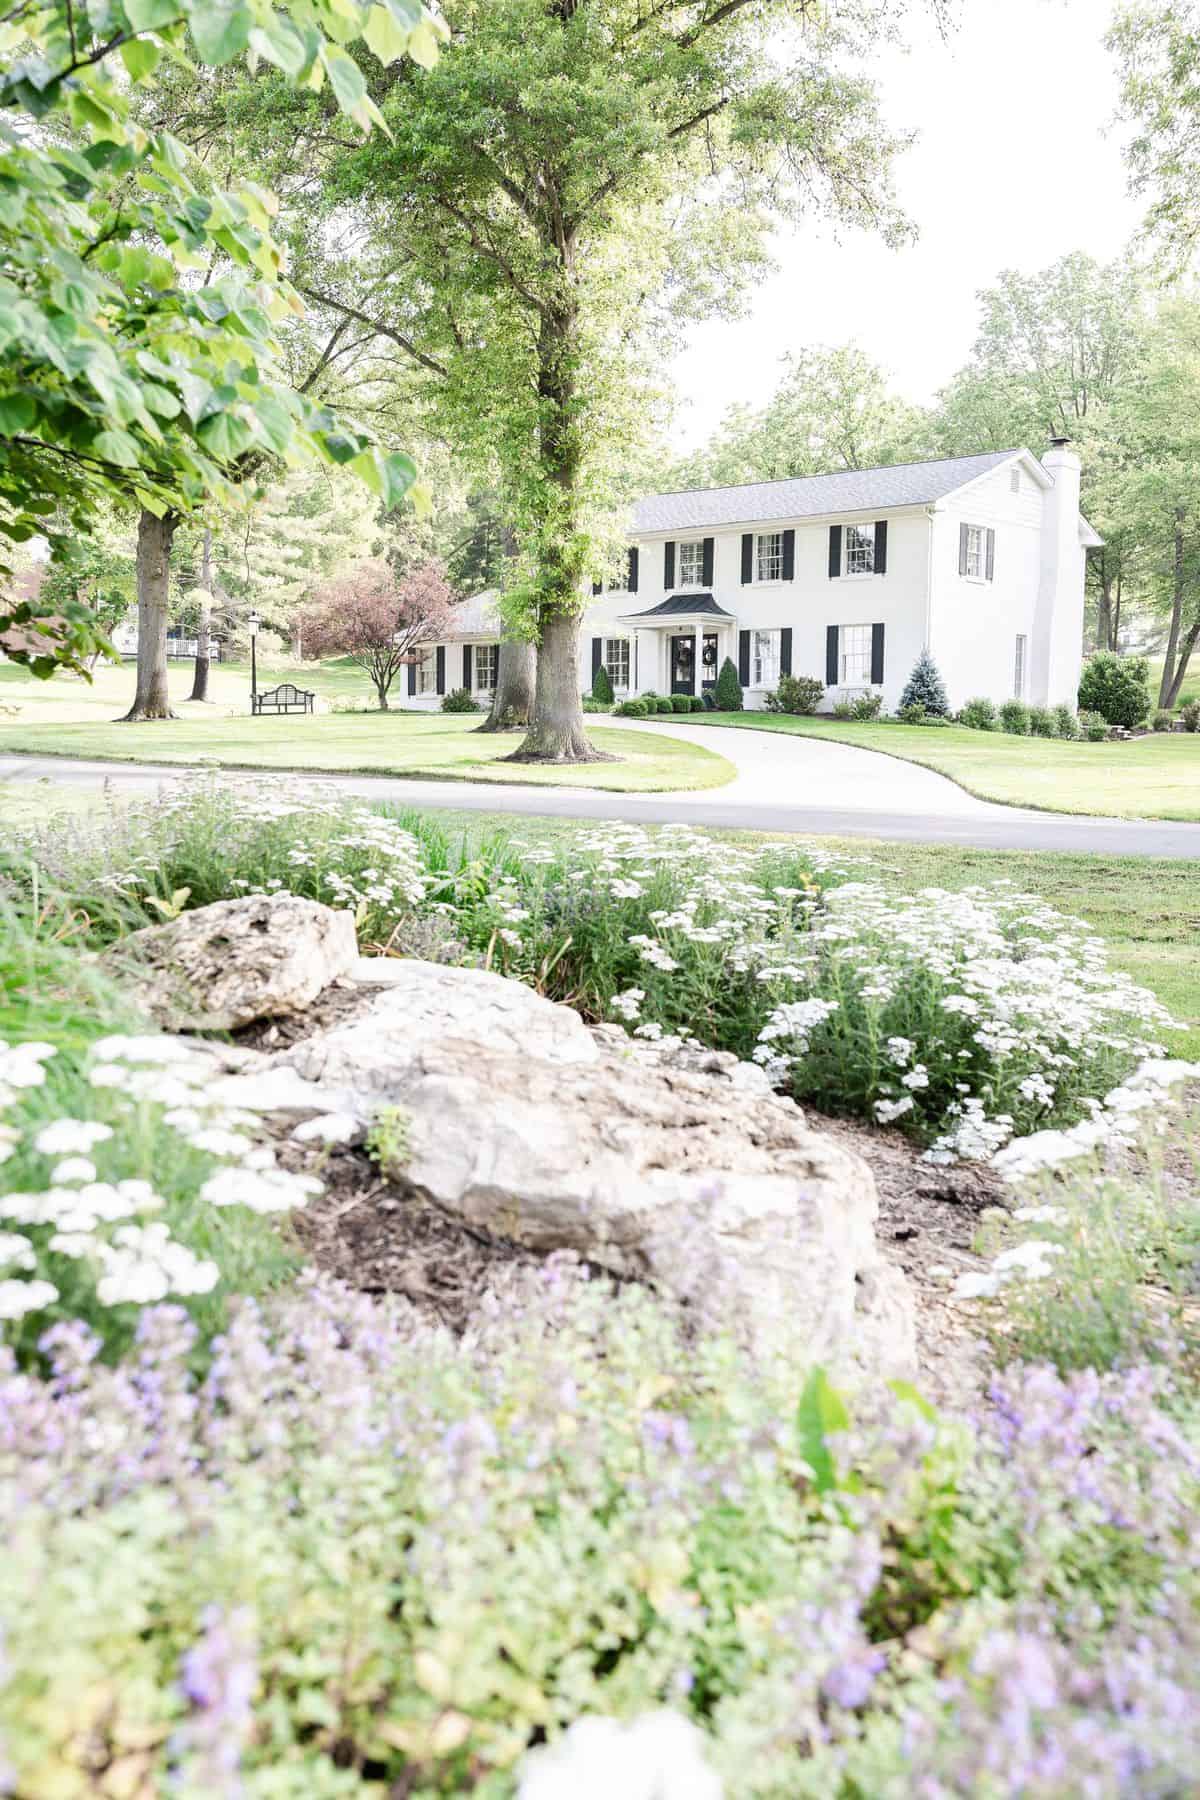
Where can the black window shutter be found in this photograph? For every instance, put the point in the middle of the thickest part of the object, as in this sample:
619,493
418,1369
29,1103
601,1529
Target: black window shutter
876,655
744,658
668,566
991,554
835,552
441,668
707,574
747,558
467,666
785,650
597,652
831,654
412,678
881,546
789,556
962,548
633,571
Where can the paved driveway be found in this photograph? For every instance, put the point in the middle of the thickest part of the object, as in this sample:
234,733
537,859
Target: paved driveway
783,784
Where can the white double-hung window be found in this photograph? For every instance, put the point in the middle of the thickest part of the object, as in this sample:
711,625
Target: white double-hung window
764,658
854,649
976,552
691,563
1019,668
487,657
860,549
768,556
616,661
426,672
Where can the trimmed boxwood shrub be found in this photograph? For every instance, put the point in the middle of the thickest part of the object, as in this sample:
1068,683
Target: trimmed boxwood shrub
1042,722
797,694
1117,687
729,689
1014,718
979,714
458,700
631,709
1093,726
1066,724
696,703
681,703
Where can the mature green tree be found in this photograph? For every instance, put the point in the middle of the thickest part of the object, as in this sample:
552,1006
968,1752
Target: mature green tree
1157,46
571,180
833,410
93,575
1156,486
1053,351
138,301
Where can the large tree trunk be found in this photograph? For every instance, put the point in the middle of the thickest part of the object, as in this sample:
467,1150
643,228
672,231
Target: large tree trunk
1168,683
204,631
1187,644
556,732
151,700
516,679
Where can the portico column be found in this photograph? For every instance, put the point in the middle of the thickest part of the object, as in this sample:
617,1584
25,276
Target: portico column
697,669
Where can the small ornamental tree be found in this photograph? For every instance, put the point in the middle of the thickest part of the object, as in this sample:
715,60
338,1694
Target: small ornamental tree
1116,687
926,688
602,687
377,622
728,693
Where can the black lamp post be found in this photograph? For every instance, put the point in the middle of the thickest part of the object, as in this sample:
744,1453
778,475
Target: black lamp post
252,625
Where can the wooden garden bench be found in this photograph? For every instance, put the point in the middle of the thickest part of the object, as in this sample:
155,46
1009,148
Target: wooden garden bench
286,698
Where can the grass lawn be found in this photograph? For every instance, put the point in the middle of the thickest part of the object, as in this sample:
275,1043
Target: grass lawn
1155,777
1147,911
66,697
445,746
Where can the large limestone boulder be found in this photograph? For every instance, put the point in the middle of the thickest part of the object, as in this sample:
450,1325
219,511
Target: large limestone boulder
225,965
682,1169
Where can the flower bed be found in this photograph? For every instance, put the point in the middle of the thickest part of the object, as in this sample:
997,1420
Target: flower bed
357,1557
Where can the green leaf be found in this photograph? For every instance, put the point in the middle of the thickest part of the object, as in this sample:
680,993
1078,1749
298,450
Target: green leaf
423,44
399,474
385,37
220,29
224,435
346,78
279,42
141,57
904,1390
17,413
117,447
821,1412
149,15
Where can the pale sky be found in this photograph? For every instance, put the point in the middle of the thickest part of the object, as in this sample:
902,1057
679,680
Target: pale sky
1016,163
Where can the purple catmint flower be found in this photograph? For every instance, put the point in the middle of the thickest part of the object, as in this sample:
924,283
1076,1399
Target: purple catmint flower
217,1678
849,1682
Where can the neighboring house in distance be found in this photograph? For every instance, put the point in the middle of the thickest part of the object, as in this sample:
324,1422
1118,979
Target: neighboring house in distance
846,577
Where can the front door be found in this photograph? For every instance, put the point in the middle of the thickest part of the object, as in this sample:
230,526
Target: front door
683,664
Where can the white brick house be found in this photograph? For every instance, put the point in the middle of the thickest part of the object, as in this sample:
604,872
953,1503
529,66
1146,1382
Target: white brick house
846,577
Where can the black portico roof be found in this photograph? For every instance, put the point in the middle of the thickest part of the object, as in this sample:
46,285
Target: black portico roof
685,606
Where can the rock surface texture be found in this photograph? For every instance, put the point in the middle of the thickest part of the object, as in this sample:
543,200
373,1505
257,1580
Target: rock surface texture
679,1167
228,964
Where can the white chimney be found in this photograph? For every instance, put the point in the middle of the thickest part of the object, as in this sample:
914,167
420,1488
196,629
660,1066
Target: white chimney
1057,649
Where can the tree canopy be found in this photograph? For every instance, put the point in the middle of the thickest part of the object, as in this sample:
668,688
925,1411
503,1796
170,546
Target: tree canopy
139,301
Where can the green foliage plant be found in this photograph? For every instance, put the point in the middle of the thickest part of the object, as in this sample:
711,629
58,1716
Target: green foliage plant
1117,687
926,688
1014,718
978,714
1190,715
1163,721
1042,722
797,694
602,687
1093,726
728,691
458,700
1066,722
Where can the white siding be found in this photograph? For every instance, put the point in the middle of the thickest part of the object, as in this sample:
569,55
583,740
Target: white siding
974,624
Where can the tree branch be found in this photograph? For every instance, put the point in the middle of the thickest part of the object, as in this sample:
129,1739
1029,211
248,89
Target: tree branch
381,330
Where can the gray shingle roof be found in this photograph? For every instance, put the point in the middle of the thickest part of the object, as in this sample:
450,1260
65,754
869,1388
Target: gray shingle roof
679,606
811,496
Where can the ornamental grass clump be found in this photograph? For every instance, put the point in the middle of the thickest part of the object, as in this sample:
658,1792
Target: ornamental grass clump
356,1556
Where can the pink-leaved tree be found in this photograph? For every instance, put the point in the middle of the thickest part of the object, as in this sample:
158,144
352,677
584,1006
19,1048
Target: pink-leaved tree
378,622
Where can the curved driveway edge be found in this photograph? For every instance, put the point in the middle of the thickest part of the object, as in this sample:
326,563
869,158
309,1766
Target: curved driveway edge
783,784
